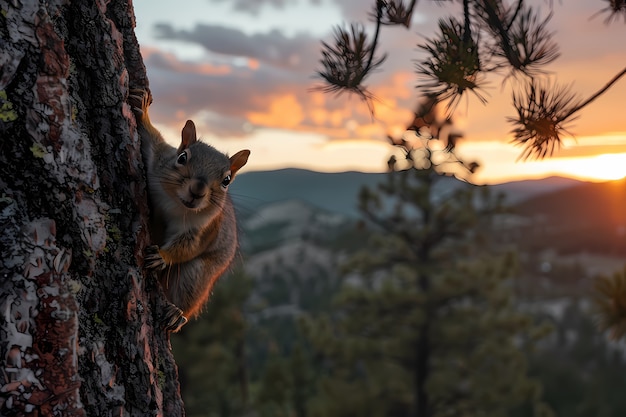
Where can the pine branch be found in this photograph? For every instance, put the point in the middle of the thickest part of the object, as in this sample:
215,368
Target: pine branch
520,4
598,93
379,14
543,113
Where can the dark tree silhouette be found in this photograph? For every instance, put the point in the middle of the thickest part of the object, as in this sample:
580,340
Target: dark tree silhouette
429,327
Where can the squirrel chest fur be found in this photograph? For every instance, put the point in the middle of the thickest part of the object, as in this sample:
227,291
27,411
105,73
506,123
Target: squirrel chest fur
192,222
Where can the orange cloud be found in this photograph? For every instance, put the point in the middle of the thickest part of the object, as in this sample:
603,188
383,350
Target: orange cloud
253,64
401,86
397,99
370,130
345,116
318,116
284,112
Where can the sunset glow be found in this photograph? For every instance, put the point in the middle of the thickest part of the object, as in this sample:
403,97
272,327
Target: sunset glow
247,80
503,164
599,167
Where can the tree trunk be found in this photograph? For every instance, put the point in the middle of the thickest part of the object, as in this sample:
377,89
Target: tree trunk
422,407
78,333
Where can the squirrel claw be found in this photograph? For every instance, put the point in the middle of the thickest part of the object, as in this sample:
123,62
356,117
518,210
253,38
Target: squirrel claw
153,259
173,319
139,100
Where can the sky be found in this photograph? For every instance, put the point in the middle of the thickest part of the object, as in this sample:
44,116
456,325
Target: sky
244,70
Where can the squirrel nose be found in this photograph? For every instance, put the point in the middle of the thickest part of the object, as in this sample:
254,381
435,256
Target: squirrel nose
198,189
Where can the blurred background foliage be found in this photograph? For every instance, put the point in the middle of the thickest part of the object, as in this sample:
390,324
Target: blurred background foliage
424,307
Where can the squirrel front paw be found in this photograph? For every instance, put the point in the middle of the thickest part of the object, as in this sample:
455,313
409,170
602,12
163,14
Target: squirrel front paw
153,259
139,100
173,319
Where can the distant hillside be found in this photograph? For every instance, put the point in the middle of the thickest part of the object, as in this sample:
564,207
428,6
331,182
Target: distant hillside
287,220
587,217
518,191
338,192
335,192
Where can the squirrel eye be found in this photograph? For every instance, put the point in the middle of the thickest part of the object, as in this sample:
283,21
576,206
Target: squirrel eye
182,158
226,181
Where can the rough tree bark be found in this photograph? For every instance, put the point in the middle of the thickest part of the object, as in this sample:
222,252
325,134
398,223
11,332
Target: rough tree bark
77,314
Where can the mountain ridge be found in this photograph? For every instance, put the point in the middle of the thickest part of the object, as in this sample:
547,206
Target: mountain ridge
590,217
338,192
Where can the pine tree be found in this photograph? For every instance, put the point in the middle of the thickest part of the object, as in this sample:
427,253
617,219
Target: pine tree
429,326
302,376
272,399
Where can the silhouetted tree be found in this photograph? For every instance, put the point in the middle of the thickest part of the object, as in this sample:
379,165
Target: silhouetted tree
426,325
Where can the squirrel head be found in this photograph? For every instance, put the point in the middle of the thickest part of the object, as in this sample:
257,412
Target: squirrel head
201,174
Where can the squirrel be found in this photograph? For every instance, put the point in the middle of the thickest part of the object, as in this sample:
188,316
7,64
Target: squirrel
192,221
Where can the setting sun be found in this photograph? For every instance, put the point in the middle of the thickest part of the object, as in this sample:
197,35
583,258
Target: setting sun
600,167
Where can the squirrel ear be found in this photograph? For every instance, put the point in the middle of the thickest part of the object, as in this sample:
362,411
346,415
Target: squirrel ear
188,135
238,160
